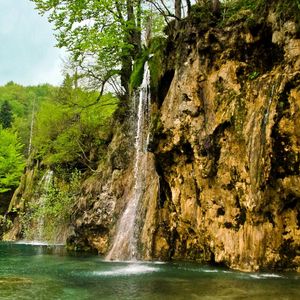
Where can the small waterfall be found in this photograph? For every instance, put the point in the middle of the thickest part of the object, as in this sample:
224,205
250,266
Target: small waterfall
125,241
268,107
45,185
31,129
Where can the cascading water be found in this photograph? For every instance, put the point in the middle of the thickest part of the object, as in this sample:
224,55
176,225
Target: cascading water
31,129
45,183
125,241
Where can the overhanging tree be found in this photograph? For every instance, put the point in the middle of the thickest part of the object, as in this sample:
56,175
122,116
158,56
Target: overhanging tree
103,37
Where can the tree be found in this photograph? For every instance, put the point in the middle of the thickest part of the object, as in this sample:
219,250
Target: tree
6,115
21,100
71,127
103,37
172,9
11,160
178,9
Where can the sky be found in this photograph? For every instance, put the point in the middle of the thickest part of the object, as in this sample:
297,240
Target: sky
27,46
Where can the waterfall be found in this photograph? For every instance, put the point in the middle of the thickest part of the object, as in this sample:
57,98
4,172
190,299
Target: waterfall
268,107
45,183
31,129
125,241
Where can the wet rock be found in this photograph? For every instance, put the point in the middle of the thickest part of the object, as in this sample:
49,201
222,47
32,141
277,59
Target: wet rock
232,195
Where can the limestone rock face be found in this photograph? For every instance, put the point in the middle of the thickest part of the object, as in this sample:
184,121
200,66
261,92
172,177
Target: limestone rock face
223,173
223,165
228,152
104,196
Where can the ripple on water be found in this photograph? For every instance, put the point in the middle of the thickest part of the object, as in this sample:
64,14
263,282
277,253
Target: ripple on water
36,243
8,280
266,275
134,269
199,270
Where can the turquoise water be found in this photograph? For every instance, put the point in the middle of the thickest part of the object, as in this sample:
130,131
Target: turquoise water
47,272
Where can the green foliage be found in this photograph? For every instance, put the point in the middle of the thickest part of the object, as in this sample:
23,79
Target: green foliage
154,54
71,127
6,116
136,77
233,10
156,63
60,197
288,9
154,23
202,13
102,36
23,101
253,75
11,160
54,205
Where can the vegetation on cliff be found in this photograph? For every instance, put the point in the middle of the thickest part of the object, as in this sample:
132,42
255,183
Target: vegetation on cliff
11,160
15,116
224,80
62,129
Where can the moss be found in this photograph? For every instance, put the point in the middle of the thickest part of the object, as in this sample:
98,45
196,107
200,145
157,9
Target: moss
202,13
234,9
156,129
253,75
288,9
252,10
136,77
239,117
154,54
156,63
224,96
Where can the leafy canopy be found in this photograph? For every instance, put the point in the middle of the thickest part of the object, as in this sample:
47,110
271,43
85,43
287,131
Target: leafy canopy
23,101
71,126
101,36
11,160
6,116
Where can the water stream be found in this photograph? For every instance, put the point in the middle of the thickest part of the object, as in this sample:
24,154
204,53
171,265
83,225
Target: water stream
31,129
125,243
45,185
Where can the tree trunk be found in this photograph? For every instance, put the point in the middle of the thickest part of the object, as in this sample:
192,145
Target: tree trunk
215,4
178,9
126,70
132,37
138,30
188,3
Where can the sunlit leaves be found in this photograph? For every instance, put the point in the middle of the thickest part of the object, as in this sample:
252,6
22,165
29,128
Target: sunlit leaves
71,126
97,34
11,160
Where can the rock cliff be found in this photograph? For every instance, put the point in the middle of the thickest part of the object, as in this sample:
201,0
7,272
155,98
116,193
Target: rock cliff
223,176
227,151
223,165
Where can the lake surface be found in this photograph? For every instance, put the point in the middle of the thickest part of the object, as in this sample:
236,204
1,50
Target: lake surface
48,272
